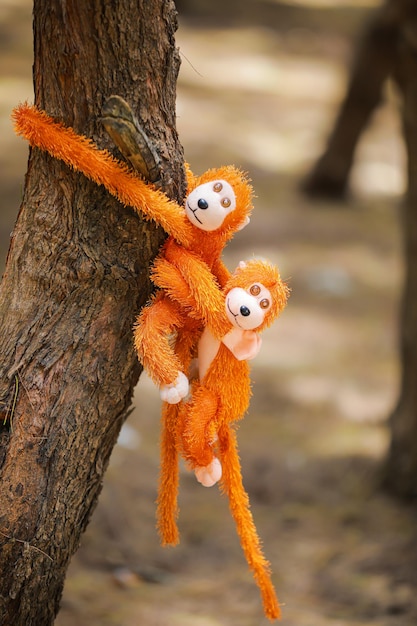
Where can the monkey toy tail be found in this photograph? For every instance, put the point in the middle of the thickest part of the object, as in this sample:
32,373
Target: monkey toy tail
167,509
232,486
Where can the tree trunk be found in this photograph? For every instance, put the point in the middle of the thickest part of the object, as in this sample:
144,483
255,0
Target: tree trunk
401,471
76,275
374,63
389,49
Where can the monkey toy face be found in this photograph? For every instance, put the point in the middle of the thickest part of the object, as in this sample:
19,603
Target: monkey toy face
246,308
254,295
208,204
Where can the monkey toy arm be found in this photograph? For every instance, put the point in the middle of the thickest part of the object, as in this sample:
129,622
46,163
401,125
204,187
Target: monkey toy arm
100,166
188,281
165,360
153,329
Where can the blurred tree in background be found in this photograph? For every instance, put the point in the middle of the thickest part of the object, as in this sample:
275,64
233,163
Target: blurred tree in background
388,50
76,275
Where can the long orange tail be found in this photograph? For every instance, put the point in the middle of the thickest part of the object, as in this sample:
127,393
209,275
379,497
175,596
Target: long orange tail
167,509
99,165
239,505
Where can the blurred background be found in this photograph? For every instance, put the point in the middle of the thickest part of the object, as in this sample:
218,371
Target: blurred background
260,86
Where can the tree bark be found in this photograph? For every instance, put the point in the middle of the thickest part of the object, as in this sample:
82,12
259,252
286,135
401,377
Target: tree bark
76,276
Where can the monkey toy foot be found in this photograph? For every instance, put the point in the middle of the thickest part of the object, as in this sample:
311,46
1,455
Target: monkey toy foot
176,391
210,474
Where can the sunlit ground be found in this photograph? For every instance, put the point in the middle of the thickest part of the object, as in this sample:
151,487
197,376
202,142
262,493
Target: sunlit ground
264,97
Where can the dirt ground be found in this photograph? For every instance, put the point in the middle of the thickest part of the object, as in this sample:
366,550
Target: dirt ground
259,87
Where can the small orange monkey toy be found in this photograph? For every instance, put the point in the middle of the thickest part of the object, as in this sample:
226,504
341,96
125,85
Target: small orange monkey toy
254,297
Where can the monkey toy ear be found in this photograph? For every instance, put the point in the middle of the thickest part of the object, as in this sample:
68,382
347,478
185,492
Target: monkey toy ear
244,223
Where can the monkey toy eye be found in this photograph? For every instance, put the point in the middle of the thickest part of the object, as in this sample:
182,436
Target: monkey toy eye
255,290
264,304
217,187
226,203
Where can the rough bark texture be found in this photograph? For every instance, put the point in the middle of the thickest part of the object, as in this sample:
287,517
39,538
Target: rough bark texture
389,49
76,275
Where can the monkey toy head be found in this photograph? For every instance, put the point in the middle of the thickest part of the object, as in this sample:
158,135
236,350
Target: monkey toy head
255,295
219,202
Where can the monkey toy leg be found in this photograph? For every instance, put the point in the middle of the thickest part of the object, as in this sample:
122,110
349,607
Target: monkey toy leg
167,506
198,427
152,330
239,505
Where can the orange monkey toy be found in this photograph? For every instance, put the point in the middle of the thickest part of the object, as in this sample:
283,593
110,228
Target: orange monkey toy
218,204
254,297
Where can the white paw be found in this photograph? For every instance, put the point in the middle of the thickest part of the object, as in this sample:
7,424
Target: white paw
210,474
176,391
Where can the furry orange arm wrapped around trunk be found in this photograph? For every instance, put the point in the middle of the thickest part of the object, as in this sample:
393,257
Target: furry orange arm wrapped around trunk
82,155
